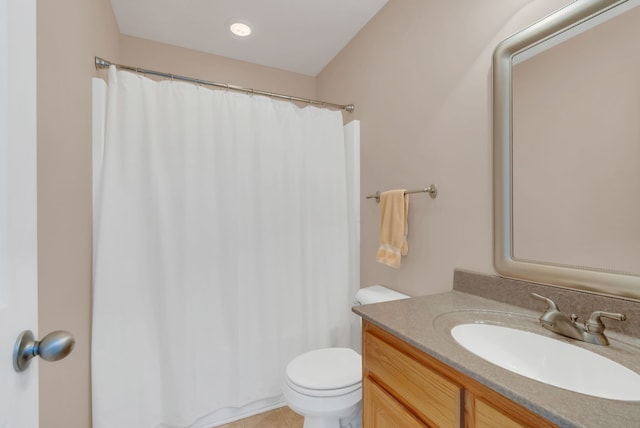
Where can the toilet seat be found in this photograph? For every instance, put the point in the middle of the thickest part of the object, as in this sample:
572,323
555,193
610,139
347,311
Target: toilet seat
323,392
325,372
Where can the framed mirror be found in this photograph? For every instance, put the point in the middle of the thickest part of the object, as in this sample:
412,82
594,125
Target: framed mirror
566,121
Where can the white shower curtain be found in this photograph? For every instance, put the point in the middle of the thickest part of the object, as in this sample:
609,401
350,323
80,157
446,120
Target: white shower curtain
221,250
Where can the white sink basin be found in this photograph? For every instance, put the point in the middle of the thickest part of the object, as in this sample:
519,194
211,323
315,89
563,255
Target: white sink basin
550,361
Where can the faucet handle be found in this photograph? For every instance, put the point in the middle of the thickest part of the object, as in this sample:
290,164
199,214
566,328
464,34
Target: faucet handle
551,304
595,325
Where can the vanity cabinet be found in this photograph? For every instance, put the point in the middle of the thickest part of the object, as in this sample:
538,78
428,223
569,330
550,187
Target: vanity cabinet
404,387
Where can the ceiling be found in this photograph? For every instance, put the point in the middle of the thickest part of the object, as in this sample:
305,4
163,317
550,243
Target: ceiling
302,36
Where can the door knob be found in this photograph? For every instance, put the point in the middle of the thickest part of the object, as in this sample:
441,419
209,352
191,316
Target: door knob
53,347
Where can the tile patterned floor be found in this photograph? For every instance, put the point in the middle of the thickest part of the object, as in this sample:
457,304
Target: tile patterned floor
283,417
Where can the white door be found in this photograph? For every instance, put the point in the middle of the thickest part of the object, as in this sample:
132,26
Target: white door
18,238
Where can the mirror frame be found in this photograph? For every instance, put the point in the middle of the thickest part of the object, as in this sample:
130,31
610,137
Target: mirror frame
557,25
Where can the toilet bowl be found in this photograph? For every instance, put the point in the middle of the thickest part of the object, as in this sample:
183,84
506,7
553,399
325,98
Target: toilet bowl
325,385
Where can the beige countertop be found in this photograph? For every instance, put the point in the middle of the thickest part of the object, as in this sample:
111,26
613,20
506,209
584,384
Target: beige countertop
425,322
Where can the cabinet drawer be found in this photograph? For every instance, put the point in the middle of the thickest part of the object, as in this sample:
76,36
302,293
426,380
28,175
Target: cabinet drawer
434,398
381,410
494,411
487,416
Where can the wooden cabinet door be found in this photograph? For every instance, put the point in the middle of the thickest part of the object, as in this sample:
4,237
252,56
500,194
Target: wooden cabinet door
428,394
381,410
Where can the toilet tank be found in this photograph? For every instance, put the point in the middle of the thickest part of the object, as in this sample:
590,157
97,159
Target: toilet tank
365,296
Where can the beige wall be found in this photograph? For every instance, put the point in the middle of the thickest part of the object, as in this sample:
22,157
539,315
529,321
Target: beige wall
420,76
162,57
69,34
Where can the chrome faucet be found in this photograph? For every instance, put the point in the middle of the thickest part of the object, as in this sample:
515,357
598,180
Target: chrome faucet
592,331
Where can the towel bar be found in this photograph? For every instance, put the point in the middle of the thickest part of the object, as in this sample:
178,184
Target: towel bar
432,190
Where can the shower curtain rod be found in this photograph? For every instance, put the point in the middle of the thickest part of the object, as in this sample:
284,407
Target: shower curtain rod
103,63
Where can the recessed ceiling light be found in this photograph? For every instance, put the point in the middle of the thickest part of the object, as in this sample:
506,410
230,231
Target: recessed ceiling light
240,29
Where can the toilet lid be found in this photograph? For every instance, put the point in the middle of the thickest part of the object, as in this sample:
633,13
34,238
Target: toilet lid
330,368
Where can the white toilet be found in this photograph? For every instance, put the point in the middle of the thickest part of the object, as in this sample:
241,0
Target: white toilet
325,385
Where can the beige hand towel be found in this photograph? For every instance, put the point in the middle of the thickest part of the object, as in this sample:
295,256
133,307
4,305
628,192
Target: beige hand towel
394,228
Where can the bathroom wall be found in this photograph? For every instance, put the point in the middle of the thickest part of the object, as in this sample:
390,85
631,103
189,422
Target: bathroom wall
69,34
162,57
420,76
